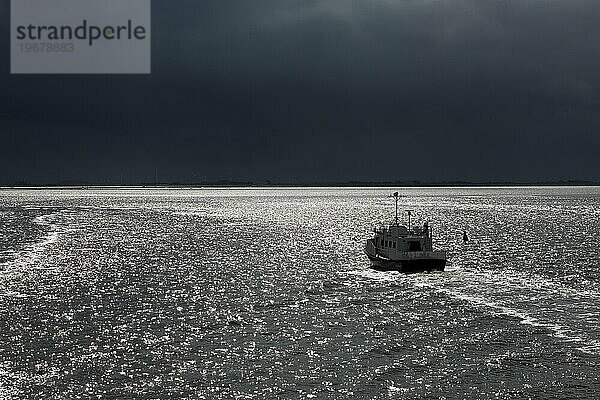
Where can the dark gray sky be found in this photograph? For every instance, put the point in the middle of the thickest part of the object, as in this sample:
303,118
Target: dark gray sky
323,91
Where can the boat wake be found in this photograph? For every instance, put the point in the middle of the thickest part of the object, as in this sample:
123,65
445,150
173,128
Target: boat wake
32,255
567,314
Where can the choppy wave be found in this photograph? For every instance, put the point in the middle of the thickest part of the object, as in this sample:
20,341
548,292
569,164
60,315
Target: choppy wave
266,293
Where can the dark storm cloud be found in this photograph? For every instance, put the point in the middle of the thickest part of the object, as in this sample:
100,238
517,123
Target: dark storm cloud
325,90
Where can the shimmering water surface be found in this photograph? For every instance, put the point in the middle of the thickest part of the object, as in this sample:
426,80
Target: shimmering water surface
249,293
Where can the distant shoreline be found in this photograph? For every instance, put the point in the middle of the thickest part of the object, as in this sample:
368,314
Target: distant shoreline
350,184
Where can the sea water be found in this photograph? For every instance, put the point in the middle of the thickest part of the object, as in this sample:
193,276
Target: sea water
266,293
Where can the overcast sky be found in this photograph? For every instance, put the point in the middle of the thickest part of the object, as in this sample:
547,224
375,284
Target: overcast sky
325,90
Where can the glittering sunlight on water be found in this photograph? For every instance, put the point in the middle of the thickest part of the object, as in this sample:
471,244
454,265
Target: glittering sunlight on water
266,293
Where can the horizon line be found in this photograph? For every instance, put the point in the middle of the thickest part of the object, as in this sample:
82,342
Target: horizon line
269,184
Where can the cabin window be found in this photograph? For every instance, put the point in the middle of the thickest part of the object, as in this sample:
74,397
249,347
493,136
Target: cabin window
414,246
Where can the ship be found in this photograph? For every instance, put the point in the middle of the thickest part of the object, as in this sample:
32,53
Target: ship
407,249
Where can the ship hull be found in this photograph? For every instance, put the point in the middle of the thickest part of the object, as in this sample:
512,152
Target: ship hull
407,266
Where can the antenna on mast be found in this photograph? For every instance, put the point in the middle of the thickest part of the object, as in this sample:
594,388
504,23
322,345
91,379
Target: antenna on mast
396,198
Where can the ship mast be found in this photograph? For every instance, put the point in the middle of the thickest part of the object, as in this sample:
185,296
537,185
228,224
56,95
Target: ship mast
409,214
396,198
